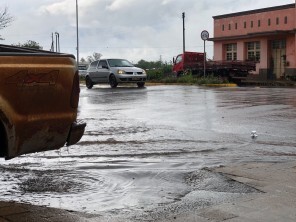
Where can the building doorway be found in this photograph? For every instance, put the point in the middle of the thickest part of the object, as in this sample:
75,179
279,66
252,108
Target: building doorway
278,58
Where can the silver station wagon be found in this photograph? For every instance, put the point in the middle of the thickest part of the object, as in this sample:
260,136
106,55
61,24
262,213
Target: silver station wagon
114,72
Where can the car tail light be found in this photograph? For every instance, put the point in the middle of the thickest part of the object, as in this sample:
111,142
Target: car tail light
75,91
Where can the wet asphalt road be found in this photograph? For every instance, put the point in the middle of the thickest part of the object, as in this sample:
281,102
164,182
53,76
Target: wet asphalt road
147,152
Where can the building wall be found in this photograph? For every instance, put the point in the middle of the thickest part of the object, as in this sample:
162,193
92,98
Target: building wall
291,58
242,24
241,47
291,49
265,26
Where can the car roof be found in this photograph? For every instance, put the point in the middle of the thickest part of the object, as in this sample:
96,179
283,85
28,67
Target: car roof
110,58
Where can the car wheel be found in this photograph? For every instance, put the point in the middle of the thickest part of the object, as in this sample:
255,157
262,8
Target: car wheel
88,82
112,81
141,84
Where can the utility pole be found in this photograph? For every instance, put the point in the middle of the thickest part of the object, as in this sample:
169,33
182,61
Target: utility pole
52,43
57,41
77,35
183,17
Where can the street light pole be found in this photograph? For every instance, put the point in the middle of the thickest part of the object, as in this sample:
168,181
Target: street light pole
183,17
77,35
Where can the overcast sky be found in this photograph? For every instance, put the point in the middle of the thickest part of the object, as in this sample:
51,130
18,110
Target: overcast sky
131,29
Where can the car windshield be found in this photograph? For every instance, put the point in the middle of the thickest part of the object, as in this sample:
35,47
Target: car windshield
82,68
119,63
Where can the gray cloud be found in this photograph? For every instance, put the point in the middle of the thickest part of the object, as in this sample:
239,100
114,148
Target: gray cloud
133,29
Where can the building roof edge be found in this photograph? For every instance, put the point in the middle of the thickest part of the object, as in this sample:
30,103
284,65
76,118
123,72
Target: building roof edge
253,35
274,8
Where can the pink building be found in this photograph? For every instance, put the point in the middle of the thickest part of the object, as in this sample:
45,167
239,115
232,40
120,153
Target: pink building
266,35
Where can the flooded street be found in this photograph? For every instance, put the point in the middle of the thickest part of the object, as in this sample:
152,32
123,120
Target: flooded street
147,151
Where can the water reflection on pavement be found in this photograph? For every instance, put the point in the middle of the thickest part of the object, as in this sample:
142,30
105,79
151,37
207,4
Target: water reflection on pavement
150,148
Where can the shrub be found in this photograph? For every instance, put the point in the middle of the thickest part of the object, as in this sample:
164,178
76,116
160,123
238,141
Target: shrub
154,74
193,79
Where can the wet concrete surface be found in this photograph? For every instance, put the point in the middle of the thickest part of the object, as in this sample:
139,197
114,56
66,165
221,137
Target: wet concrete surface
148,153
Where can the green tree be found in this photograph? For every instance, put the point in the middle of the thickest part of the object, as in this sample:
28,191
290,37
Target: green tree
5,19
149,65
95,56
29,44
156,70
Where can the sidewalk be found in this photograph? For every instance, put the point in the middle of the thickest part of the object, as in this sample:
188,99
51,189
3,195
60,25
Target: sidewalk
277,202
276,180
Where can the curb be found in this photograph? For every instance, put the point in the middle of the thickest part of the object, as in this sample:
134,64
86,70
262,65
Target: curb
221,85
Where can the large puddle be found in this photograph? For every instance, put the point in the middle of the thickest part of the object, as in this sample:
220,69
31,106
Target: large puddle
151,150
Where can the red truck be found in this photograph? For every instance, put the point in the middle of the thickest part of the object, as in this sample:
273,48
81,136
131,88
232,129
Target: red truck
194,62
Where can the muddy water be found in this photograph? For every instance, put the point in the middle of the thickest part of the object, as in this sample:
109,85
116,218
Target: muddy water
148,151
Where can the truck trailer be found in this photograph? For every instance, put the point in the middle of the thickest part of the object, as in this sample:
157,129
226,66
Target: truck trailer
195,63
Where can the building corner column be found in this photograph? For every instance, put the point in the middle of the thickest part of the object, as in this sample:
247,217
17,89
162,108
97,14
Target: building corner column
295,41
